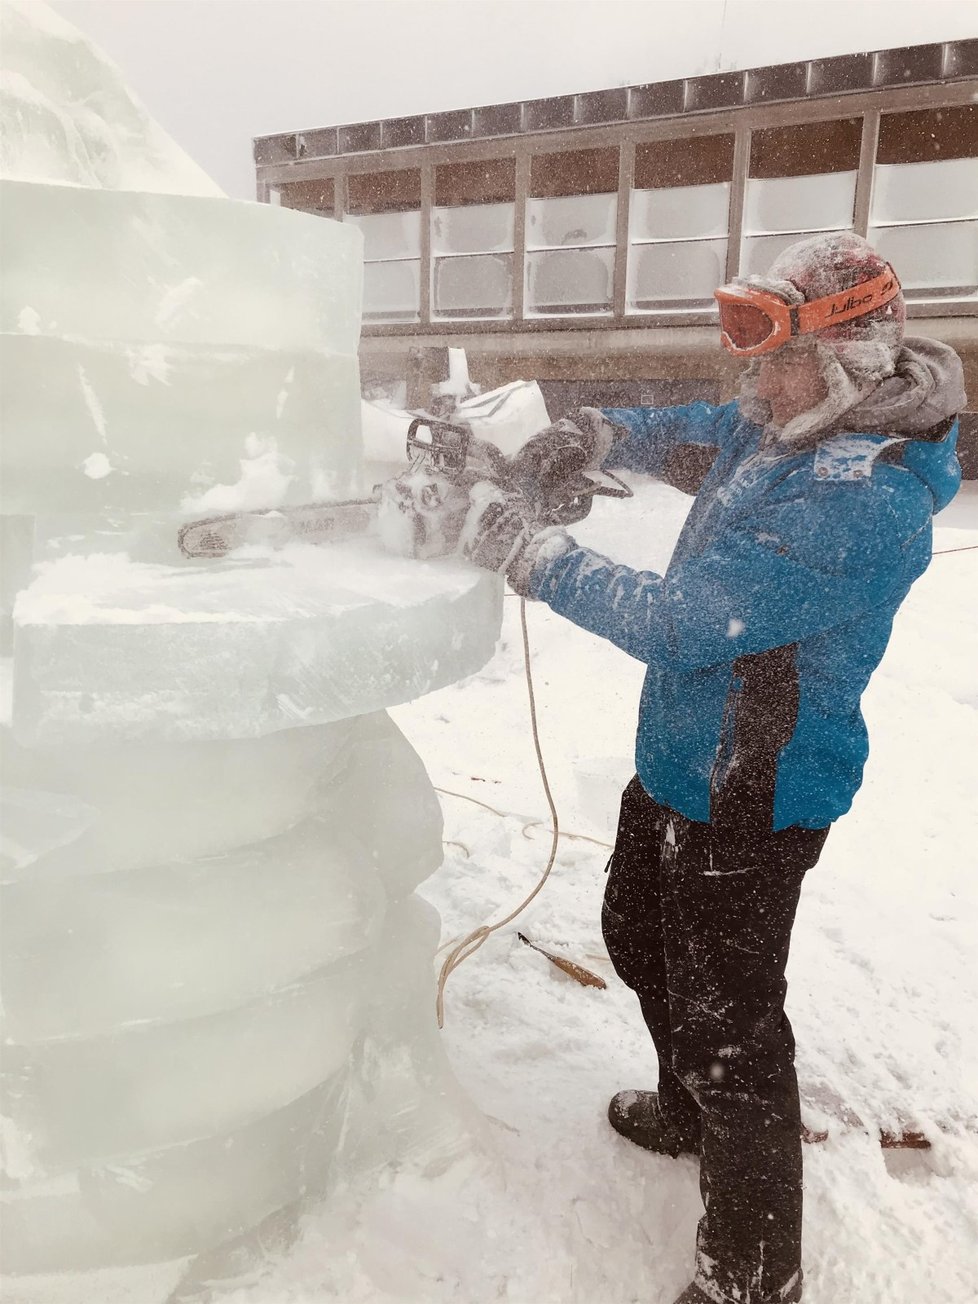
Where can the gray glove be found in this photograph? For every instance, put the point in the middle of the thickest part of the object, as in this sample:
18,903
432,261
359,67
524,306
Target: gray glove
540,548
604,433
561,453
499,534
496,528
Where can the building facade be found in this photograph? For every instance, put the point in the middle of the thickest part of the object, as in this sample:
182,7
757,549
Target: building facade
577,240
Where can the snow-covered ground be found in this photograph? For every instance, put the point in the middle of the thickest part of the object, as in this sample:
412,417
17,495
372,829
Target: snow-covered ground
555,1208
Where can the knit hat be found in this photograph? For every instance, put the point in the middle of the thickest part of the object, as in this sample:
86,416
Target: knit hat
855,355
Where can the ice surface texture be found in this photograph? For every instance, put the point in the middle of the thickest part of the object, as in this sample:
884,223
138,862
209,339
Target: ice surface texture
107,649
212,271
69,117
174,1202
228,794
218,984
155,1012
244,340
103,432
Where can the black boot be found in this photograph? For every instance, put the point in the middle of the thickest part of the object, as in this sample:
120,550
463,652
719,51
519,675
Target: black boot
636,1116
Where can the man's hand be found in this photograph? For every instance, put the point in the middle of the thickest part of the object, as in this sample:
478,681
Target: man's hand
603,433
563,452
499,534
496,527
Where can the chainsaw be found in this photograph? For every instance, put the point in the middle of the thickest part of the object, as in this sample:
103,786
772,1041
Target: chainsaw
420,512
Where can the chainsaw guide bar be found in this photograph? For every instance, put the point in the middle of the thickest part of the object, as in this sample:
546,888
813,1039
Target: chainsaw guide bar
215,536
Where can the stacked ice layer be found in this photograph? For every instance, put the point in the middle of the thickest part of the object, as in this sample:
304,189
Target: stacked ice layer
241,340
217,982
181,1017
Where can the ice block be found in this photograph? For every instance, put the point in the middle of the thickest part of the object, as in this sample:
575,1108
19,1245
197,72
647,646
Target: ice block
218,983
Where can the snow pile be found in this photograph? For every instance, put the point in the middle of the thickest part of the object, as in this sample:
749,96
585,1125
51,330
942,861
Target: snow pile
882,989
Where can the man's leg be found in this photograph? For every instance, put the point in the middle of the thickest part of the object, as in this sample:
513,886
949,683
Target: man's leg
631,920
728,905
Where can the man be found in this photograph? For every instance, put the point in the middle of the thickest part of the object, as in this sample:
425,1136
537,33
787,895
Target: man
804,539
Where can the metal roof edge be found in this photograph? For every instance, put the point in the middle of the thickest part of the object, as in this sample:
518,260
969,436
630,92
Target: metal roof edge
944,61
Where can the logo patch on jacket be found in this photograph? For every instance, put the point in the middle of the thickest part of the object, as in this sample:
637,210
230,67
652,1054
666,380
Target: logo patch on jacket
849,457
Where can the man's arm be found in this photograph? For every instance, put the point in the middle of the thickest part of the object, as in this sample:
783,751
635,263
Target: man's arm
790,572
674,444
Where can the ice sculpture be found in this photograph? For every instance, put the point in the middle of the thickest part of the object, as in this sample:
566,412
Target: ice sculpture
218,987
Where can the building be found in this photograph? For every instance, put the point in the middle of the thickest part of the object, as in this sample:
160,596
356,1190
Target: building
577,240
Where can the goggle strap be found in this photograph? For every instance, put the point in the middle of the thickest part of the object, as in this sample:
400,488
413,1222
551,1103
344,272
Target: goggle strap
843,306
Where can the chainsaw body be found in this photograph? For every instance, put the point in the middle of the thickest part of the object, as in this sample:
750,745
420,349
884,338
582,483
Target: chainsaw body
421,512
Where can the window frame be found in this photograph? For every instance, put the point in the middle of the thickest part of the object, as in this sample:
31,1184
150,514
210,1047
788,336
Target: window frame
496,196
740,121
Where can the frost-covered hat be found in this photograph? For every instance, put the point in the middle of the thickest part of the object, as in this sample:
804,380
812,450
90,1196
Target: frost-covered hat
856,354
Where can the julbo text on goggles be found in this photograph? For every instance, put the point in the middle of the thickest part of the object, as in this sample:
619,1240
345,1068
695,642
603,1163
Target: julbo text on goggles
755,321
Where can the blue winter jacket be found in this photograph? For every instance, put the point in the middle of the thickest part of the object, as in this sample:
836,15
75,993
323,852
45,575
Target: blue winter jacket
773,613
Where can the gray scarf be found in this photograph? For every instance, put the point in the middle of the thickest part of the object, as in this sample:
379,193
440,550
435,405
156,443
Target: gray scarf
913,389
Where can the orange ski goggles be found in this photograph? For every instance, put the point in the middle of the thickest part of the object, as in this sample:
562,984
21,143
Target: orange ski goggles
754,321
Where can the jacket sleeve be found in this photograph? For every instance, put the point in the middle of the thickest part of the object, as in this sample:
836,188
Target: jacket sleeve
657,435
786,574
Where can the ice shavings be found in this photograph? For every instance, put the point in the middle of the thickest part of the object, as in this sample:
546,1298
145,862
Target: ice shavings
97,466
92,403
255,584
735,627
149,362
29,321
176,300
109,589
325,485
266,476
283,394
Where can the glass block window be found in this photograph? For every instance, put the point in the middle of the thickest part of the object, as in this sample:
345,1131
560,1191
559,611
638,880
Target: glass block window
571,220
569,280
678,220
801,181
472,226
307,196
924,213
803,178
932,259
674,273
392,290
386,206
759,252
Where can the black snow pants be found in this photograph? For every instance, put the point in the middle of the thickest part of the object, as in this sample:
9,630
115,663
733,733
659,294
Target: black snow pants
697,921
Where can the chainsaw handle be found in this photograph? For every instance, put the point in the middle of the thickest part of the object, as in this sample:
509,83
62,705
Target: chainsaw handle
576,502
606,491
447,445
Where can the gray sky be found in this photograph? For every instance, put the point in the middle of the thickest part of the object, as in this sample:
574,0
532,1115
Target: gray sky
215,73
